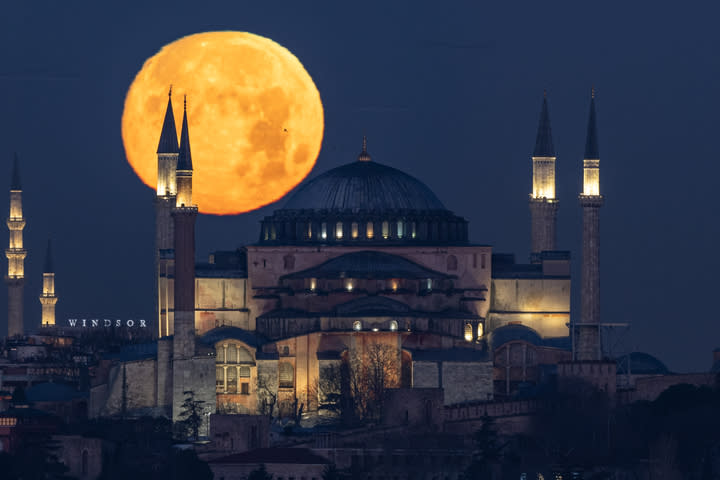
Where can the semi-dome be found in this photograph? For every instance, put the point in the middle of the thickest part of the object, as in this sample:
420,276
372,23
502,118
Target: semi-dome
364,202
364,185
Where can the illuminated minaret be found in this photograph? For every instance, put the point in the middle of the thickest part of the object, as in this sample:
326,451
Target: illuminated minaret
15,254
543,204
48,299
184,215
167,153
588,344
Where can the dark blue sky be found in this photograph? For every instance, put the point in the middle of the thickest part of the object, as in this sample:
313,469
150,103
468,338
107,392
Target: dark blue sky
447,91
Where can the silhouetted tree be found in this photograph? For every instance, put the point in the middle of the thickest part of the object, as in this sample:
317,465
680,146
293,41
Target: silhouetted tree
260,473
192,414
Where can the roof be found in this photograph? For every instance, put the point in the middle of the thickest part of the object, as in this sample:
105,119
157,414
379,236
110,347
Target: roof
543,142
222,333
168,137
53,392
515,332
15,179
132,352
641,363
364,185
591,141
303,456
368,264
184,157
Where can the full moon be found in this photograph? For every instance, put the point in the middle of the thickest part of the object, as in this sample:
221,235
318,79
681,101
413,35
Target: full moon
254,115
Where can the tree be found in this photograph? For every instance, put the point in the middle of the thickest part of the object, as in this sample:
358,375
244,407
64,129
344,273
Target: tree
488,451
260,473
192,414
267,395
331,472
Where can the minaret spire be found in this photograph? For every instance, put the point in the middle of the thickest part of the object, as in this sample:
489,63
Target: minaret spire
364,155
48,298
543,204
184,165
15,254
168,136
588,344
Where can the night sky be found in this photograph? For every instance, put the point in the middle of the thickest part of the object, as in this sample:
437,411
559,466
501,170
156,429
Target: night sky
449,92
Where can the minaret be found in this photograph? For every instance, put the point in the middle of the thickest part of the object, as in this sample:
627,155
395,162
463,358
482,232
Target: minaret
15,254
543,204
48,299
184,215
588,342
167,154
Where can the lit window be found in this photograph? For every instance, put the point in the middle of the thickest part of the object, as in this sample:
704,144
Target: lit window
468,332
313,284
385,229
413,230
354,229
323,230
273,232
400,229
309,230
266,233
244,372
286,375
349,284
429,284
394,285
393,326
480,330
369,230
338,230
357,326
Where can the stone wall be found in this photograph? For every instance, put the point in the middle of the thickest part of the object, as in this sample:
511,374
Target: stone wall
414,407
140,388
239,433
82,455
196,374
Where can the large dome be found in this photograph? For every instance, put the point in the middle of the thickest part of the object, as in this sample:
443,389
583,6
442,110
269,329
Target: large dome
364,185
363,202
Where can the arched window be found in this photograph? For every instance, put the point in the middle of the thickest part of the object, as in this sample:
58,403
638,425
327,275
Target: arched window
244,355
219,379
244,371
400,229
354,230
357,326
468,332
309,230
266,232
369,230
339,230
385,229
480,330
231,354
273,232
231,380
286,375
323,230
393,326
413,230
452,262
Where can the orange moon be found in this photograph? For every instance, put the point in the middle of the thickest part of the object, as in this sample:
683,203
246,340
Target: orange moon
255,118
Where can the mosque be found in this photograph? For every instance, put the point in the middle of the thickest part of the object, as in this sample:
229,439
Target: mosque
361,256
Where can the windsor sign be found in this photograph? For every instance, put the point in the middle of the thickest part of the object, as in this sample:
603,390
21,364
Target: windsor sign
106,323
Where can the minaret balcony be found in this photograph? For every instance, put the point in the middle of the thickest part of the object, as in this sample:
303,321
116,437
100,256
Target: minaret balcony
16,223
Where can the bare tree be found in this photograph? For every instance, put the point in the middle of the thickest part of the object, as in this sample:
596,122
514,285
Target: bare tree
267,395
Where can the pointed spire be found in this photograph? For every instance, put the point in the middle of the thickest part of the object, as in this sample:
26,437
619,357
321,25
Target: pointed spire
364,155
48,259
591,142
184,159
168,138
15,179
543,143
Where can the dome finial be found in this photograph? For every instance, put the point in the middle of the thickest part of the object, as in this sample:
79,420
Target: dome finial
170,91
364,155
592,92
